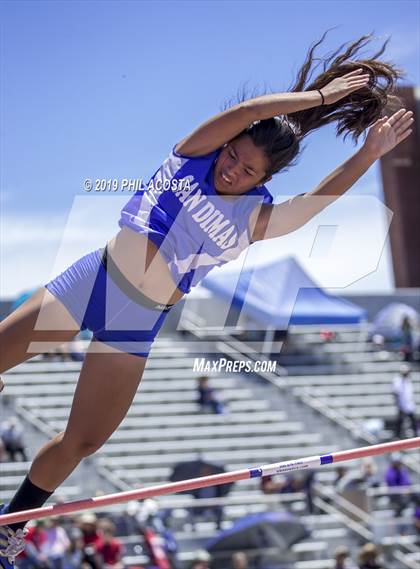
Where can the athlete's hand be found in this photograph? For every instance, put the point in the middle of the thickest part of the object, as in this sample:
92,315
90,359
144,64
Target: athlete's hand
342,86
387,132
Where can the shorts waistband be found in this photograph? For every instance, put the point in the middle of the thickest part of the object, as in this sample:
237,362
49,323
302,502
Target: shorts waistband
124,284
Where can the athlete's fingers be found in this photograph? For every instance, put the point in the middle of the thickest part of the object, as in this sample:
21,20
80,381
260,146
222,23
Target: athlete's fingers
403,126
404,135
402,122
358,77
396,116
354,72
405,118
359,83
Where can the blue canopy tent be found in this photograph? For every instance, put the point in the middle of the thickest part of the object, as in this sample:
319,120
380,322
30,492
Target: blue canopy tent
281,293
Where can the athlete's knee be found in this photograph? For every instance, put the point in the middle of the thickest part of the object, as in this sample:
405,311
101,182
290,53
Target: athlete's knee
82,446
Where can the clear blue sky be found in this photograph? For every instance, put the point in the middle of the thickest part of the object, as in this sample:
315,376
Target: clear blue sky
103,89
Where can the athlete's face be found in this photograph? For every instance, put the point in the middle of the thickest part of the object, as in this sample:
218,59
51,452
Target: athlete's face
240,166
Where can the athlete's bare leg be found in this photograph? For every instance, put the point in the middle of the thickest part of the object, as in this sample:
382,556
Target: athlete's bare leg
107,384
42,318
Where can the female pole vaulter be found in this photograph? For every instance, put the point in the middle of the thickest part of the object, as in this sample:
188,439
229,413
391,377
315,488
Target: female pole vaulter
217,205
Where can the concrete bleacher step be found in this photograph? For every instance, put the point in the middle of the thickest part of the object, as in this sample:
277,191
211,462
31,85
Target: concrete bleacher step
343,330
359,401
172,433
60,395
184,371
147,384
302,550
359,406
335,379
13,468
142,410
250,420
162,474
346,390
191,445
344,347
156,361
48,400
315,564
258,456
70,492
320,357
335,347
369,412
344,368
329,533
38,365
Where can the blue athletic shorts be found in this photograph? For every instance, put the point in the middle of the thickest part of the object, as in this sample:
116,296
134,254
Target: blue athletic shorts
103,301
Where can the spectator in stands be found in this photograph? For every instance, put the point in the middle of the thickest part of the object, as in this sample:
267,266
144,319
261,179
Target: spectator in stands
206,397
282,485
60,353
130,522
307,487
215,512
369,473
239,560
416,522
92,537
416,518
88,524
75,552
378,343
110,549
56,543
369,557
202,560
407,344
397,477
77,347
340,474
11,433
341,557
404,399
290,484
270,486
327,335
32,557
2,451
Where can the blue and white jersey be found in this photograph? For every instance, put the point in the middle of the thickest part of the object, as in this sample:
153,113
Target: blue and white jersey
194,227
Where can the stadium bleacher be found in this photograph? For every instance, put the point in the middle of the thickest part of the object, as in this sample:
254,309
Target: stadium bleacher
165,426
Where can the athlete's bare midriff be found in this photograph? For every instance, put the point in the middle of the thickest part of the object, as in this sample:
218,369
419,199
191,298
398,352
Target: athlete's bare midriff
140,261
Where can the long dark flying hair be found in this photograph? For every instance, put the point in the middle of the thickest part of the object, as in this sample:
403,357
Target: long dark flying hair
280,136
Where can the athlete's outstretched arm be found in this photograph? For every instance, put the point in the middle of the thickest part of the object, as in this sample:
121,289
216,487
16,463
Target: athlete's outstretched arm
226,125
269,221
